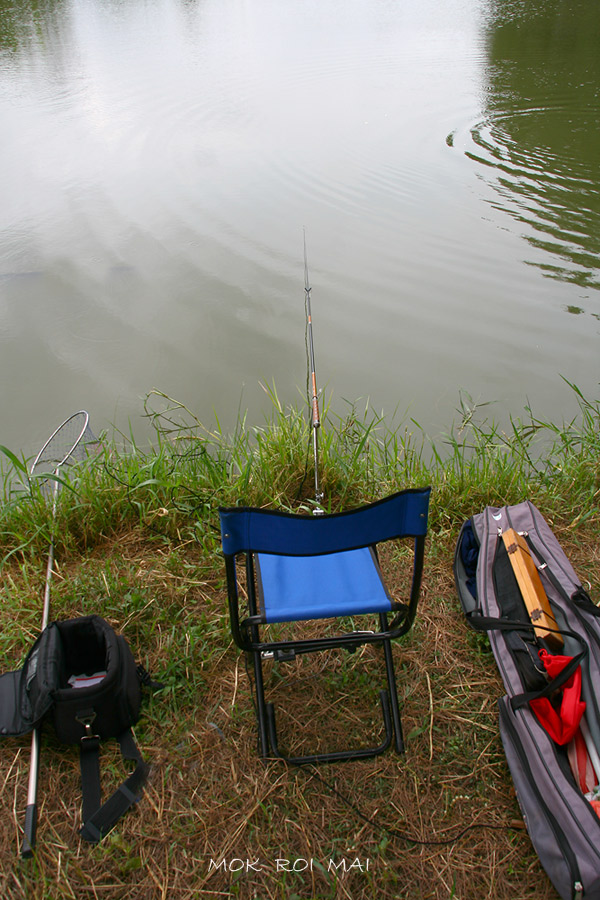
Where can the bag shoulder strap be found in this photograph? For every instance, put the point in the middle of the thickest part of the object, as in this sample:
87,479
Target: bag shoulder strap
99,818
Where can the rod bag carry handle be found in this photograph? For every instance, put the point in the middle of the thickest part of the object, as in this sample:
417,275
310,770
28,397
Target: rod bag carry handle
520,700
488,623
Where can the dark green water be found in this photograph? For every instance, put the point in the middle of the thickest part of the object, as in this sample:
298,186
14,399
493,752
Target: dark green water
159,160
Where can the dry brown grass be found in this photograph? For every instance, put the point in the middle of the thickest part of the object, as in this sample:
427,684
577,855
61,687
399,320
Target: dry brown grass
210,798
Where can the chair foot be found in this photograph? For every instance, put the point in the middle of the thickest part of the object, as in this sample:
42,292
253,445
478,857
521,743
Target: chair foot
337,756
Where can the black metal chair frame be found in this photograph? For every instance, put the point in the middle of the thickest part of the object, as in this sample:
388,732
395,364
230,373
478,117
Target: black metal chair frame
247,635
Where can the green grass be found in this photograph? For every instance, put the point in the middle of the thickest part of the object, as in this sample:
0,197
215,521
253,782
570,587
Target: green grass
172,487
136,536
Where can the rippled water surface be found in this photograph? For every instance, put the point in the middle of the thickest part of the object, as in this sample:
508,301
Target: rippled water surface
160,159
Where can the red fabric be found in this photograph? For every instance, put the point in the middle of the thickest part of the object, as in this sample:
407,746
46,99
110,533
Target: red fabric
581,764
561,724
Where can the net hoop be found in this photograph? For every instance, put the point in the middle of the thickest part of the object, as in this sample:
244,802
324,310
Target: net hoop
62,444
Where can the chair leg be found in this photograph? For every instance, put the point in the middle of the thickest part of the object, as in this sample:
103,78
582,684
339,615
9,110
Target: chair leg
393,695
267,728
261,706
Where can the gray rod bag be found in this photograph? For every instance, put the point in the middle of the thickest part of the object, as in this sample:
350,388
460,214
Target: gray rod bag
560,818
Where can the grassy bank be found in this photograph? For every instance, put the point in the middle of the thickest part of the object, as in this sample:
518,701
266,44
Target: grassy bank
137,542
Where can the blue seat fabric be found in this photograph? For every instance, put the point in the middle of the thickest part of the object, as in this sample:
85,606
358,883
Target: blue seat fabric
292,588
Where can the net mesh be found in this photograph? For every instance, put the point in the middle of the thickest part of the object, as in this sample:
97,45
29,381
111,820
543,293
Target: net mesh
72,442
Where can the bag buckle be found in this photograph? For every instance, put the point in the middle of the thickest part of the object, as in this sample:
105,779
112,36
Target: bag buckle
86,718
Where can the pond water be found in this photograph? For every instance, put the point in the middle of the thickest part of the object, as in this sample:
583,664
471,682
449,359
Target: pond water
161,159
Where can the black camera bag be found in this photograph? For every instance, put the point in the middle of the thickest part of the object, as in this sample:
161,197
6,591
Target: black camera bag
82,676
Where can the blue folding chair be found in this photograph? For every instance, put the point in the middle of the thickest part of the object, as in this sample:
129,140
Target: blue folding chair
300,567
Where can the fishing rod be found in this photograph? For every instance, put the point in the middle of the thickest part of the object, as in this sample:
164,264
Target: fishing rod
314,395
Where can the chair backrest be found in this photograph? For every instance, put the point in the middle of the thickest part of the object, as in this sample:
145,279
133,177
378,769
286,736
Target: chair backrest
250,530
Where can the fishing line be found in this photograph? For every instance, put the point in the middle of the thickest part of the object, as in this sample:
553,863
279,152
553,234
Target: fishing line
392,832
312,396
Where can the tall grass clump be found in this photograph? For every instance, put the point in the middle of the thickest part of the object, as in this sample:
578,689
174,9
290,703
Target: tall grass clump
482,463
173,485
